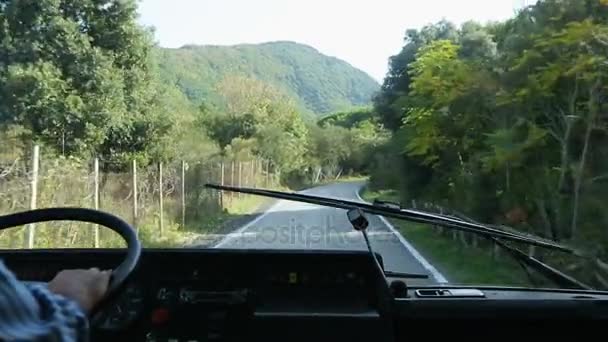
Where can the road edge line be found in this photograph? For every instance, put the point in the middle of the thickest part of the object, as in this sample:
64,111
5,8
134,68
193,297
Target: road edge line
427,265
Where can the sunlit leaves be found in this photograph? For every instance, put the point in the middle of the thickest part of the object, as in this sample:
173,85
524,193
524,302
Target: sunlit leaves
438,73
426,140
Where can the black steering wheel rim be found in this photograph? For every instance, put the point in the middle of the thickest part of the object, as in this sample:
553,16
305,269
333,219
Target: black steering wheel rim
114,223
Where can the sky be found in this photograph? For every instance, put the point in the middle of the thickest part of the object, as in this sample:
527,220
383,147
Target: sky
364,33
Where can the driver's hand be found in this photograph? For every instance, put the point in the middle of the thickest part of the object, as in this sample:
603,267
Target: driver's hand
86,287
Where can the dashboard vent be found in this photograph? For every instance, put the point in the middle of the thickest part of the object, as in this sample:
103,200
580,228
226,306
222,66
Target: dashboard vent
449,293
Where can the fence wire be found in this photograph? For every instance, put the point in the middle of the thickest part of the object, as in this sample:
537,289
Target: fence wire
136,195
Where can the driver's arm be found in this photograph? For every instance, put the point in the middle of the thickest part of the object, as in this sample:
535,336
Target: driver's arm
57,312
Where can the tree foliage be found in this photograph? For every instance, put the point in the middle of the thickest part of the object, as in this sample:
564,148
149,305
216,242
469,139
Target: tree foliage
76,75
257,112
488,118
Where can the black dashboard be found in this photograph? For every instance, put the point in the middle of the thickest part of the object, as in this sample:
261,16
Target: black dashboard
219,294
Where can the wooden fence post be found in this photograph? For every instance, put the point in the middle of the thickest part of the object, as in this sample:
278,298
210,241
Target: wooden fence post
261,172
440,229
215,179
463,238
277,176
495,251
222,183
160,197
240,177
232,179
245,175
134,187
96,201
183,194
268,174
253,162
31,229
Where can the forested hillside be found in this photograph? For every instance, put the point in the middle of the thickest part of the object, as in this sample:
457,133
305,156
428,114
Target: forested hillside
320,84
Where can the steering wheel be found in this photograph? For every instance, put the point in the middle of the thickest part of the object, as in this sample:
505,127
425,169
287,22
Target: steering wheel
126,231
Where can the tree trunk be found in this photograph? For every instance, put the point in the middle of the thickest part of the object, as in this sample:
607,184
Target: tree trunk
549,229
577,183
564,157
339,174
318,175
581,167
508,177
565,153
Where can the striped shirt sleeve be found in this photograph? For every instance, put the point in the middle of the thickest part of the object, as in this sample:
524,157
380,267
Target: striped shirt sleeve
30,312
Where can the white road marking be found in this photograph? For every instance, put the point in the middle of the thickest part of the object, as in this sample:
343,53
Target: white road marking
436,274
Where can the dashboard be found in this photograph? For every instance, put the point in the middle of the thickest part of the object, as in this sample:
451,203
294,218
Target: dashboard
213,294
220,294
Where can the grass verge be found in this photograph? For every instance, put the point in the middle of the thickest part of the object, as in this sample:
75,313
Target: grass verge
458,263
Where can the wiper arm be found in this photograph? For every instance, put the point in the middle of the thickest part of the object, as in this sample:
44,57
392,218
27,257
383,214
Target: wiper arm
405,214
526,261
561,279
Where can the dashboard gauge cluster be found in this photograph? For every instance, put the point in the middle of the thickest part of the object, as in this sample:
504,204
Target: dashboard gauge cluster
125,309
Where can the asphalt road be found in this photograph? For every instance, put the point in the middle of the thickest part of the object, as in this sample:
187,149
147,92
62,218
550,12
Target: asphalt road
294,225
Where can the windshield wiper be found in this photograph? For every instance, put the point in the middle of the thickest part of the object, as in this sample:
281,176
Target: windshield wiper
561,279
492,234
405,214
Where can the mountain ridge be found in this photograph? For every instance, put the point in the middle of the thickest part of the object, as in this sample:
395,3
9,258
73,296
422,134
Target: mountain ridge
319,83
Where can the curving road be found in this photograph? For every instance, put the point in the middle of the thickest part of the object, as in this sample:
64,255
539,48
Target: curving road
294,225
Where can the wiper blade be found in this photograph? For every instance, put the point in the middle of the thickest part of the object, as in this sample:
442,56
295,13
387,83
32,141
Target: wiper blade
391,274
561,279
405,214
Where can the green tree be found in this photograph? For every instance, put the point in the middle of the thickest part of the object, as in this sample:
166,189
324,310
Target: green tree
76,75
392,100
253,110
505,117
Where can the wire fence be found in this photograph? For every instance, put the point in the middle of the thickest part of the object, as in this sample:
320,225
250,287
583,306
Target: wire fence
160,200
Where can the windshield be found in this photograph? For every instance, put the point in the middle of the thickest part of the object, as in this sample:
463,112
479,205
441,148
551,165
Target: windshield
494,114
